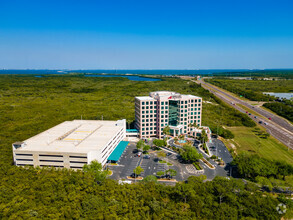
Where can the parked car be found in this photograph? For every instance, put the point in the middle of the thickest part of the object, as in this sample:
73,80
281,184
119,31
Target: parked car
255,117
246,112
147,157
249,113
139,154
270,118
265,123
168,154
260,122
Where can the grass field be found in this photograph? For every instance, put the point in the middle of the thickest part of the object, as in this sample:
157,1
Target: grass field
246,141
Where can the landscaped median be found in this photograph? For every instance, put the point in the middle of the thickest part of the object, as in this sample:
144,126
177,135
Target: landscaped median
137,178
207,163
204,149
167,180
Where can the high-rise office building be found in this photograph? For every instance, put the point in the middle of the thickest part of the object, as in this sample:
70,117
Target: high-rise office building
163,108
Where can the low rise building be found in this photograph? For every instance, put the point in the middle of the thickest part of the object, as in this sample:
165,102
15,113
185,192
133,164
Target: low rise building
164,108
71,144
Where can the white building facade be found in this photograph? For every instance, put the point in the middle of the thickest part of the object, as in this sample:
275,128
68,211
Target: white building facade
163,108
71,144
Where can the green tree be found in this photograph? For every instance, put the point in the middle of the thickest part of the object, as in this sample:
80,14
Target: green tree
264,182
171,172
159,143
204,137
161,154
138,170
190,154
146,147
160,173
166,130
150,178
96,169
140,144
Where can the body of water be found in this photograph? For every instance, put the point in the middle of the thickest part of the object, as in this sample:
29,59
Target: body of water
123,72
288,95
133,78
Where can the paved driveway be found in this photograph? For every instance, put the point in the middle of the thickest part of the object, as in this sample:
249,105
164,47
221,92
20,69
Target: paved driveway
217,147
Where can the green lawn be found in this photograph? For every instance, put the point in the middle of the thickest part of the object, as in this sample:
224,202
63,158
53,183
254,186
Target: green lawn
246,141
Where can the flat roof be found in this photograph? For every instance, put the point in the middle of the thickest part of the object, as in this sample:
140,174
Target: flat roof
154,96
145,98
77,136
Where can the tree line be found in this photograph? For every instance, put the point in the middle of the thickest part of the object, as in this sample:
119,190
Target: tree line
51,193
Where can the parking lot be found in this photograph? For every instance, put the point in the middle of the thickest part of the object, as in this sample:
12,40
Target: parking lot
129,161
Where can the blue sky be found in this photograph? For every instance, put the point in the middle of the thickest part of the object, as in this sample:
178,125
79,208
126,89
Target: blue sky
149,34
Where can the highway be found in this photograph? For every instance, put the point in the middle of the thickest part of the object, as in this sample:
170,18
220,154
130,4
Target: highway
276,126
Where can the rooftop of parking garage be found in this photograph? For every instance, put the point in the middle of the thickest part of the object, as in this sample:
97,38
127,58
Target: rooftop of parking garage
77,136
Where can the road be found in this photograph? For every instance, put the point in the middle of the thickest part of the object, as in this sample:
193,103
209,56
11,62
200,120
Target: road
277,126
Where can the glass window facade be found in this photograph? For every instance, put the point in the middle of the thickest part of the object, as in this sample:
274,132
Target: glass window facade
173,112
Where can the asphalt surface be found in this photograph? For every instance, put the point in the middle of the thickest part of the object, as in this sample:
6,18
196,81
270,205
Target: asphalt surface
277,126
219,149
128,162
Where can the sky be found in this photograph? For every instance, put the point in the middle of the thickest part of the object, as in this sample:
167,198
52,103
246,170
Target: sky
126,34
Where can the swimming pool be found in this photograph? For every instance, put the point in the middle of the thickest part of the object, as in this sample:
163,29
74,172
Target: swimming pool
182,141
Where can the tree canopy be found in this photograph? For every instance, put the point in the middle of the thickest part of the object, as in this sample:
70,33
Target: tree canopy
190,154
96,169
159,142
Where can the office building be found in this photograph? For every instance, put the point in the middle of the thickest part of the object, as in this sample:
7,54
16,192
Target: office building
163,108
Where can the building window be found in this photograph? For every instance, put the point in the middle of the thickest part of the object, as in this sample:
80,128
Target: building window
142,103
142,133
151,102
162,103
